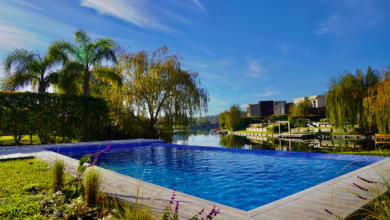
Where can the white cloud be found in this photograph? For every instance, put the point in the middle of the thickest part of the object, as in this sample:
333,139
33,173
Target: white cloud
29,5
244,105
222,103
266,94
196,64
256,69
200,5
13,37
201,49
350,16
285,48
236,88
332,25
136,12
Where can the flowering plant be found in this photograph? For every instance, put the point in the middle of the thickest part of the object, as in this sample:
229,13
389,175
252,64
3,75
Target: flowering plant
170,215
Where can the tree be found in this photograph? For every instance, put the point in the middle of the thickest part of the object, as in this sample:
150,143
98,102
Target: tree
344,102
90,55
28,68
156,86
233,119
303,108
377,105
291,109
222,119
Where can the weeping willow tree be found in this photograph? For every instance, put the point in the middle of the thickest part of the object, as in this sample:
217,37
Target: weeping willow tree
377,105
231,119
222,118
158,94
344,102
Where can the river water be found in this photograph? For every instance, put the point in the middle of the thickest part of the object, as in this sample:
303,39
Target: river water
206,137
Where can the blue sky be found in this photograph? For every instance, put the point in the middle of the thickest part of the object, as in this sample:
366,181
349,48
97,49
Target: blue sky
244,51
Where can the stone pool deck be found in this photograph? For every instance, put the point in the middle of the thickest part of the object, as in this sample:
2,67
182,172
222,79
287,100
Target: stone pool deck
337,195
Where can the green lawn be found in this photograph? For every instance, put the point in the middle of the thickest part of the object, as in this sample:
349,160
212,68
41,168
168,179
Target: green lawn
9,140
385,153
26,193
20,183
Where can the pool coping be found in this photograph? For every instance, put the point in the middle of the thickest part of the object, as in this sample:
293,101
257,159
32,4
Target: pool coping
336,195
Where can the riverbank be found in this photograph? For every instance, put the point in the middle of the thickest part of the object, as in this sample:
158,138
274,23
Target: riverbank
317,135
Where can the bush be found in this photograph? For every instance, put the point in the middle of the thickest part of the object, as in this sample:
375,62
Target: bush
49,115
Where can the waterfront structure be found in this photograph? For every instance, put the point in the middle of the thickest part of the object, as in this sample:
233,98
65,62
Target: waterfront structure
262,108
317,103
281,107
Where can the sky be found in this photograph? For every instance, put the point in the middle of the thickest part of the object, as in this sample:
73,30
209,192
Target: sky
244,51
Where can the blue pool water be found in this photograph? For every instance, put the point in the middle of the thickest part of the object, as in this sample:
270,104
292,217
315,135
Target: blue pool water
244,179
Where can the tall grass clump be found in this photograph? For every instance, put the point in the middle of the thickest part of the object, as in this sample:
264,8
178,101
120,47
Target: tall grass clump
58,174
92,183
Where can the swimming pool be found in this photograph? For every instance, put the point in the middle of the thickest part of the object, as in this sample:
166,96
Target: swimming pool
243,179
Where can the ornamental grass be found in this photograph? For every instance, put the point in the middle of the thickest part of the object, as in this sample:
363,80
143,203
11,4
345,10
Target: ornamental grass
58,174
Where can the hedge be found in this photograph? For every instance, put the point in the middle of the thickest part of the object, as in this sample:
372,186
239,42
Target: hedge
311,117
53,115
279,117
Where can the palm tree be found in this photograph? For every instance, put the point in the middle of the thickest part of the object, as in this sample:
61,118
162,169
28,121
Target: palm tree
29,68
90,54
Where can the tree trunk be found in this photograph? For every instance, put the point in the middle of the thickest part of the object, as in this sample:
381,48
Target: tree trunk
87,77
41,87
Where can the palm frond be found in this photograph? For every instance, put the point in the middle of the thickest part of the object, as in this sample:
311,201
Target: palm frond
81,38
108,75
102,53
19,59
59,51
69,78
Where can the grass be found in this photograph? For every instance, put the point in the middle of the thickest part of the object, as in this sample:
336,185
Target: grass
9,140
58,175
20,183
384,152
26,192
92,182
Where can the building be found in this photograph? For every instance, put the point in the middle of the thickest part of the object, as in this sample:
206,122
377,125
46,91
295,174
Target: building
317,103
262,108
281,107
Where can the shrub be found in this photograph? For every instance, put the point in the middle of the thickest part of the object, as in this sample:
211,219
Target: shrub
49,115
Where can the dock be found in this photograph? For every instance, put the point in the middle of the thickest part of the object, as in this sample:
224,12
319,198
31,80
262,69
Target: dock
299,136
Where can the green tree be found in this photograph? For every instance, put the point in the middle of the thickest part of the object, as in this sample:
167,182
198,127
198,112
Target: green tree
222,119
156,86
377,105
90,54
233,119
303,108
344,102
23,67
199,122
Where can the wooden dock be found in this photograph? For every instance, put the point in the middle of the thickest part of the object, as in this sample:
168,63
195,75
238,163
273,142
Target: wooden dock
299,136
